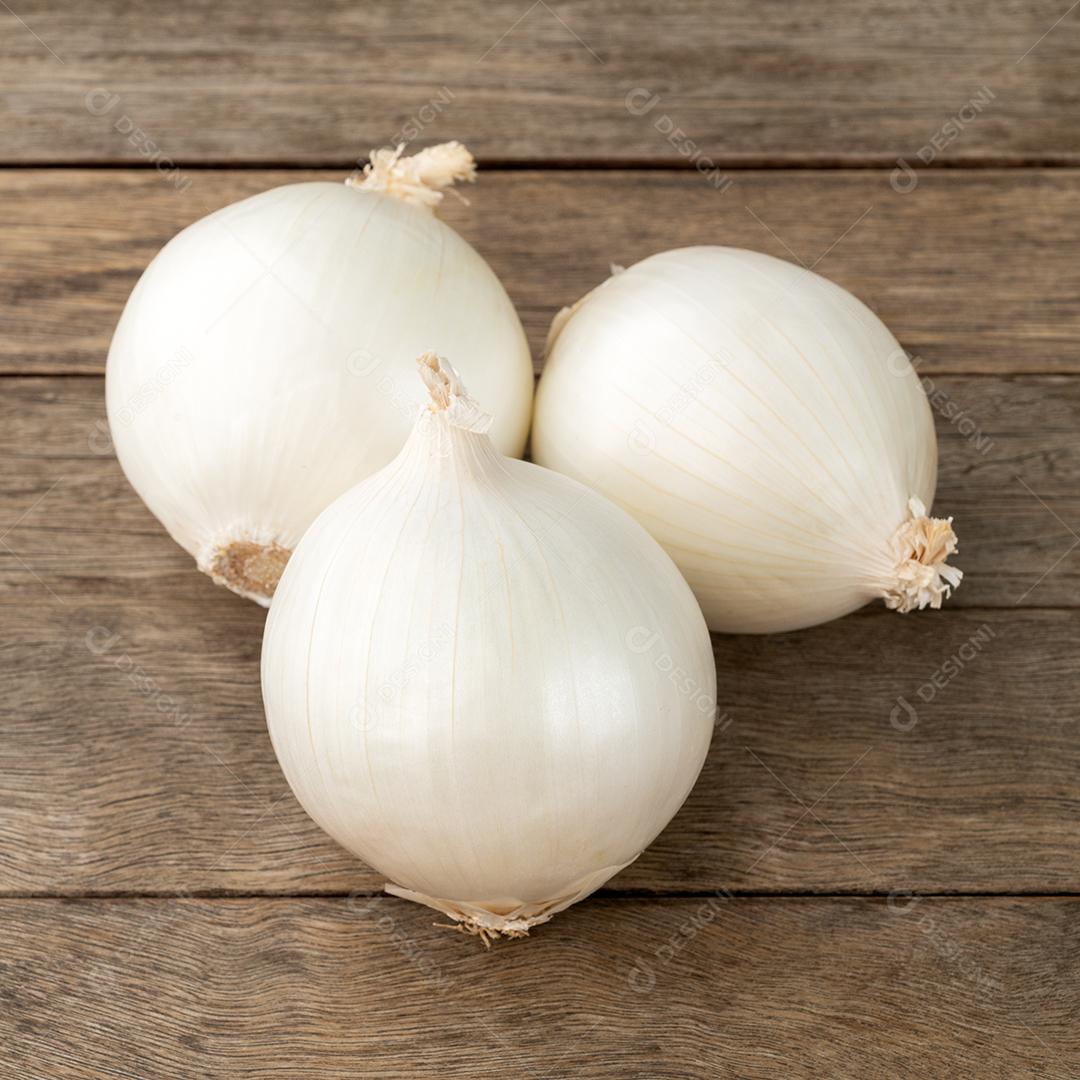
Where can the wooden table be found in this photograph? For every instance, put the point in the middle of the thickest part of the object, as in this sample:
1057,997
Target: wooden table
849,891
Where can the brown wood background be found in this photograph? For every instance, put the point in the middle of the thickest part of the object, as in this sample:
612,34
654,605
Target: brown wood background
852,890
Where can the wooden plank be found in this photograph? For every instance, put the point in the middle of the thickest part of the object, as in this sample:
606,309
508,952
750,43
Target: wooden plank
135,756
677,989
975,271
846,80
1009,474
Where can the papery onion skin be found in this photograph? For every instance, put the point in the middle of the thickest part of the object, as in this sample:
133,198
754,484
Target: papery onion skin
763,424
265,361
486,680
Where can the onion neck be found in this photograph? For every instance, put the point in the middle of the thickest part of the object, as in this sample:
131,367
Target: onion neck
419,180
450,401
450,437
921,546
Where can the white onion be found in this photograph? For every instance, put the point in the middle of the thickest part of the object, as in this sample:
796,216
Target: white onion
763,424
264,362
484,679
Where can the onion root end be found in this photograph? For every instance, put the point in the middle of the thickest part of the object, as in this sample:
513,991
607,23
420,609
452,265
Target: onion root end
247,567
921,547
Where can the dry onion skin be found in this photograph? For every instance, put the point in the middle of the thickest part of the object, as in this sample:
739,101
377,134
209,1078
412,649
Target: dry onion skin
483,678
763,424
264,362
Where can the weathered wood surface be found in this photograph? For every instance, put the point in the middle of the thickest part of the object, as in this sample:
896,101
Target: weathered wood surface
135,757
153,863
843,80
672,990
975,271
1009,473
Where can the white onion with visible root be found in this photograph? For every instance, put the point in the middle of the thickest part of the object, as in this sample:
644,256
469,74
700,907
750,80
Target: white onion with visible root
485,679
265,360
763,425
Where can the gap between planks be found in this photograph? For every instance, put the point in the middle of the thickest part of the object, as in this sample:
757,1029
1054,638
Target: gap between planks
632,896
554,164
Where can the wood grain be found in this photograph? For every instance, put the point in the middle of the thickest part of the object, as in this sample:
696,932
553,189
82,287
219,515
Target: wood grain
135,760
975,271
839,80
672,990
135,757
167,909
1009,453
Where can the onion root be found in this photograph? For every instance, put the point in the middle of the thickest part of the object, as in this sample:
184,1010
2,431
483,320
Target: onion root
921,546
